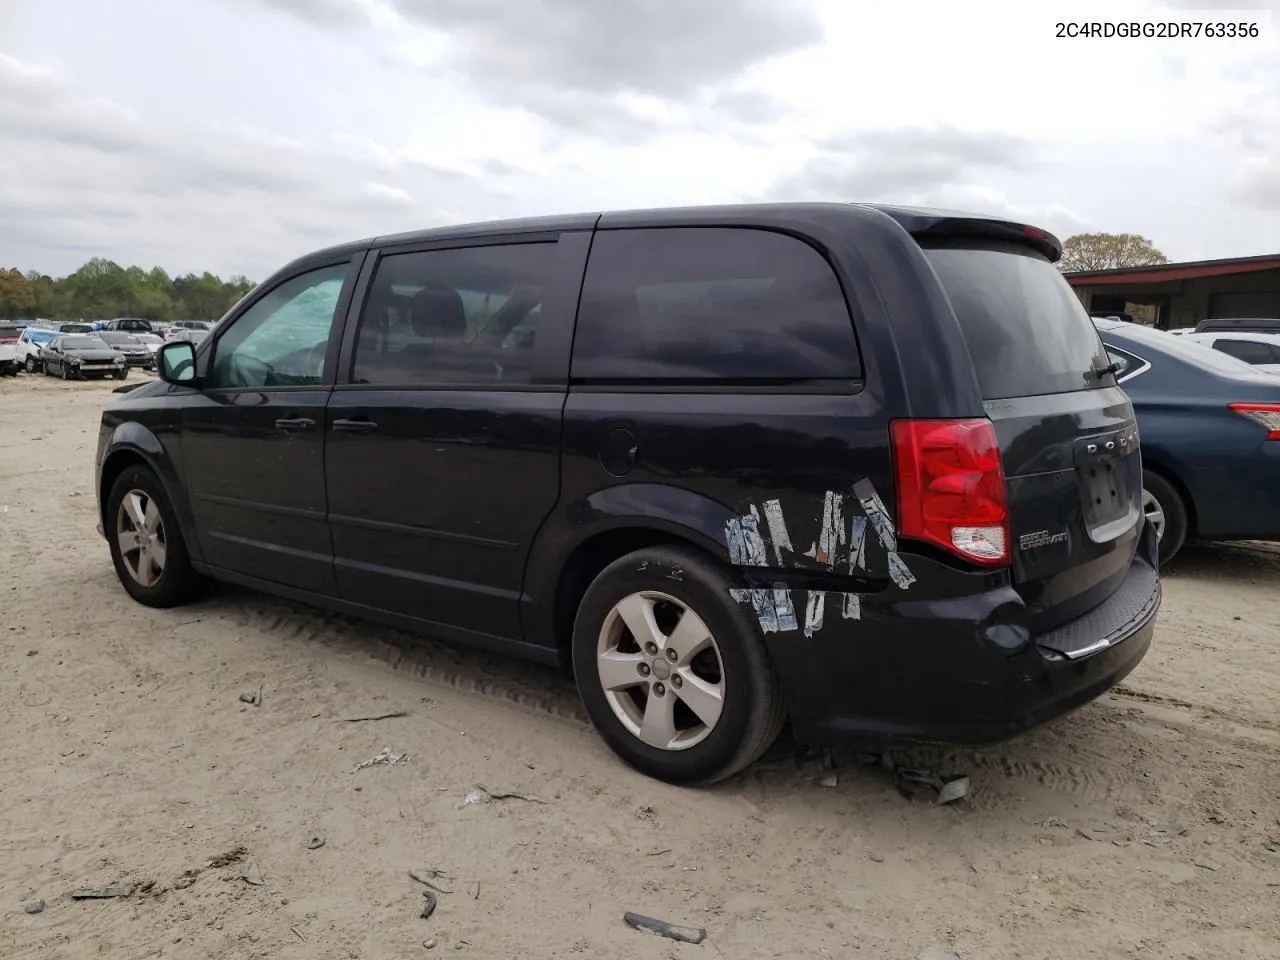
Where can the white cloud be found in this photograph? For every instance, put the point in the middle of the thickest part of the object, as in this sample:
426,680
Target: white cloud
233,134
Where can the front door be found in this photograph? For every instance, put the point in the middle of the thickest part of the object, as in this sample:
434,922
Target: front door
442,453
253,444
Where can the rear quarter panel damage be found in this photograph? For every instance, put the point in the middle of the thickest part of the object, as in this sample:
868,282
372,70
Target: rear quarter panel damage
759,543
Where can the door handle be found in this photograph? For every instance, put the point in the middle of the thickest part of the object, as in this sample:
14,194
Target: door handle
355,425
295,423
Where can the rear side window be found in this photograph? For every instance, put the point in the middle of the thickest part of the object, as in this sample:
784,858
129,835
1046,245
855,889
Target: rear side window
461,316
1250,351
703,304
1027,332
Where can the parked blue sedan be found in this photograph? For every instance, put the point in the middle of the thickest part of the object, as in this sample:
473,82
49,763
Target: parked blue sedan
1210,431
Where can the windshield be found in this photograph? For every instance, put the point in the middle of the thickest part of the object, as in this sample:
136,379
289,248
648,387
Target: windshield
148,338
120,338
82,343
1027,332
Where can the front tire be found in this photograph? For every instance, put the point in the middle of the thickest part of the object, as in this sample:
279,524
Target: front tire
672,671
1165,509
31,364
147,548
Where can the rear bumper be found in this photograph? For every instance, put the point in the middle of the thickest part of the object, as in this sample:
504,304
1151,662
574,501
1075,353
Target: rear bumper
963,669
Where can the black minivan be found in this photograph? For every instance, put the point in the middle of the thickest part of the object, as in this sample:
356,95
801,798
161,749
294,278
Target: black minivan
861,468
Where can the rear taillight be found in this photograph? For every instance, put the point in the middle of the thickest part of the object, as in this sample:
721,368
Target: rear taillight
1264,414
951,490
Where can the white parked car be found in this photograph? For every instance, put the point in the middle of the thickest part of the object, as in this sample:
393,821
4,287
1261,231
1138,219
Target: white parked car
1262,350
29,345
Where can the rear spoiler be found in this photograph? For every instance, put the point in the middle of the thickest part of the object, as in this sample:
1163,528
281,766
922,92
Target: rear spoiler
924,223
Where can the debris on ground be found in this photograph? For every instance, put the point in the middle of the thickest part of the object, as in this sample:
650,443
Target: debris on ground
103,893
431,878
1205,864
315,843
876,858
936,953
253,698
429,907
1164,832
508,795
386,757
827,780
253,875
663,929
374,716
470,800
954,790
429,944
234,855
35,906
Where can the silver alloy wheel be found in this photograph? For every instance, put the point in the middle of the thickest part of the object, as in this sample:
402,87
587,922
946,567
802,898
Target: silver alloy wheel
661,671
140,536
1155,513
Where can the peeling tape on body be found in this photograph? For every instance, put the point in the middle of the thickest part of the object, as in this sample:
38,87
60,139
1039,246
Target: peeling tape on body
832,535
784,608
814,611
746,547
857,544
779,538
878,517
851,609
774,616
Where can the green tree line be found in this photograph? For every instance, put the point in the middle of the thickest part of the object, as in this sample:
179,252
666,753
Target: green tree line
102,290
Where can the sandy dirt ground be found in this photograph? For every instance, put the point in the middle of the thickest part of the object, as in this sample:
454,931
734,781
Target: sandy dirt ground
128,755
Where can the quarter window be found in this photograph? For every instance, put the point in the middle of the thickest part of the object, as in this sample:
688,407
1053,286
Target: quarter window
711,304
282,339
464,316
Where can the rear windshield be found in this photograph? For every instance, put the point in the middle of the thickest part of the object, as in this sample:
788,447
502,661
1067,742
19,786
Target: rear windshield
1027,333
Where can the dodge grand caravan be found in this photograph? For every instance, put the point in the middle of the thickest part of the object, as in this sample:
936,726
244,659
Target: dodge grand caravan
861,468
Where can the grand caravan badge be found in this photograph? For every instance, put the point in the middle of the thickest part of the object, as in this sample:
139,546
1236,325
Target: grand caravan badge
1041,538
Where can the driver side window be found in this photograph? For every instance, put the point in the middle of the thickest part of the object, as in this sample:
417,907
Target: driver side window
281,340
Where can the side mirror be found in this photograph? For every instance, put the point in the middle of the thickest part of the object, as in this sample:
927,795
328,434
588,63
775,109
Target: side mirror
178,363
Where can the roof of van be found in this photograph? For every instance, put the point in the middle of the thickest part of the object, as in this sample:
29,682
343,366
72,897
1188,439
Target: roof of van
918,221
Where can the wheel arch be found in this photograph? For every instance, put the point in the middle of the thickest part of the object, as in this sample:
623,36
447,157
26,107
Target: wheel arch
580,540
132,444
1167,473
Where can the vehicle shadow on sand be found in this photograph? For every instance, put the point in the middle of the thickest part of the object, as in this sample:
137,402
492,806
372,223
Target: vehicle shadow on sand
1082,754
1248,561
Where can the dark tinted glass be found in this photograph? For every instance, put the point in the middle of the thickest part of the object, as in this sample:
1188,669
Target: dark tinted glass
1027,332
1250,351
704,304
463,316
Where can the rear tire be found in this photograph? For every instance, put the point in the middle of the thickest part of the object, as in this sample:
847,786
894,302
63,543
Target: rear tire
704,701
1166,510
139,537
